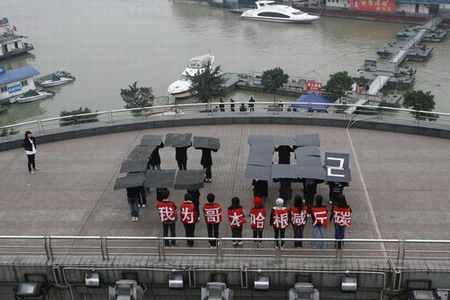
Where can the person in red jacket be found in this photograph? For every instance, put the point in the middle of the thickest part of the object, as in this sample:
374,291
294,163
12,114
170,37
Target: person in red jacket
298,218
257,220
237,219
168,214
319,216
342,217
279,219
189,217
213,216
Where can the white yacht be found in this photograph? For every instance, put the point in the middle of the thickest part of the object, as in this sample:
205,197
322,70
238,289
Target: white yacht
182,87
271,12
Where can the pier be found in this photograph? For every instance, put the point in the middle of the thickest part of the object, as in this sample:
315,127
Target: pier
380,81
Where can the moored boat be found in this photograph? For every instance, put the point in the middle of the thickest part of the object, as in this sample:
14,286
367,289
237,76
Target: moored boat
57,80
197,65
271,12
11,44
33,95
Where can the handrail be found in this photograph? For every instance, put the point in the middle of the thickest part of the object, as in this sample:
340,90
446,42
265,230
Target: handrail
47,123
51,247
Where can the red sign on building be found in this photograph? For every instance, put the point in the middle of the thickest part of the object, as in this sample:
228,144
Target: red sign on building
383,6
313,86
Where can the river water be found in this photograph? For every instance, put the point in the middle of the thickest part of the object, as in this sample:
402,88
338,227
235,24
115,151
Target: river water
108,44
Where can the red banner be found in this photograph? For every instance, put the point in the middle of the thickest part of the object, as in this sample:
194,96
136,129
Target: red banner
313,86
384,6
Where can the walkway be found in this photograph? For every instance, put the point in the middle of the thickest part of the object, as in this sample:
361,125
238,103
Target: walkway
403,177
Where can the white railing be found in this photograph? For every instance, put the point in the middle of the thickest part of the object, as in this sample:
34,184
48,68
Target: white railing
146,113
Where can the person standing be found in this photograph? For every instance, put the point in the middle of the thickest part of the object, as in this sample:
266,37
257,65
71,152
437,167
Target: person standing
232,105
213,216
29,144
336,189
260,189
181,157
206,162
284,154
257,220
310,190
319,216
237,219
195,193
168,214
189,217
285,190
279,219
221,106
133,201
142,197
299,214
251,104
154,160
342,217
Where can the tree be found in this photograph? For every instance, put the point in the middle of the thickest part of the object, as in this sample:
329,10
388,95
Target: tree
273,79
137,97
419,100
77,119
338,84
208,84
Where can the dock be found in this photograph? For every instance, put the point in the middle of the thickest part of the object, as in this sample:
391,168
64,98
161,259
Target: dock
380,81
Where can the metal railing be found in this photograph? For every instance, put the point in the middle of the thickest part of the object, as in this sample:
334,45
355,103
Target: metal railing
213,109
394,250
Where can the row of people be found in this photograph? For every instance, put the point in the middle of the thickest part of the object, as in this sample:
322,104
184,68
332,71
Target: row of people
280,218
336,189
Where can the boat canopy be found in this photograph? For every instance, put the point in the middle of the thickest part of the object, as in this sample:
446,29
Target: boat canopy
200,61
312,98
30,93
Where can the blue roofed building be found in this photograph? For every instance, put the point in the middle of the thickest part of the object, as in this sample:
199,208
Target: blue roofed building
16,82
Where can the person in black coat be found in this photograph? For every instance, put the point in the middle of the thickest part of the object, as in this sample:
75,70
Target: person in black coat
232,105
29,144
206,162
285,191
251,104
195,193
181,157
284,155
260,189
221,106
310,190
154,160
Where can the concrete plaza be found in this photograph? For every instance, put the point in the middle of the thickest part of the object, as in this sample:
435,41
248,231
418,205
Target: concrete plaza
400,183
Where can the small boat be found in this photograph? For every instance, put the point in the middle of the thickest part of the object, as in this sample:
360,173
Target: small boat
33,95
57,80
197,65
271,12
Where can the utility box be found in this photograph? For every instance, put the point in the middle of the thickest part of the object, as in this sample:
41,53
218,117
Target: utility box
303,291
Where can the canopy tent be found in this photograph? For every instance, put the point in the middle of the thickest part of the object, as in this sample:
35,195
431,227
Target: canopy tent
312,98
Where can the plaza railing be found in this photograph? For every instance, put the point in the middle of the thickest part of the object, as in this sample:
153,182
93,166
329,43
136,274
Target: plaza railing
99,118
397,251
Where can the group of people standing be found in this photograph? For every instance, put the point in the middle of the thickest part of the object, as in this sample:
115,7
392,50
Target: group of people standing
280,217
242,107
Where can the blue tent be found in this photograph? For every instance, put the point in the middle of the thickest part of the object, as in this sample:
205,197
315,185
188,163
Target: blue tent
312,98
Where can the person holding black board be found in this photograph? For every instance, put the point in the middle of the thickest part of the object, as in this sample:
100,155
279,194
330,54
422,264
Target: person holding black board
154,160
206,162
260,189
181,157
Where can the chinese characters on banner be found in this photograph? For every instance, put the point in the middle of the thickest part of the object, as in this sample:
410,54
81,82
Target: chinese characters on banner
384,6
313,86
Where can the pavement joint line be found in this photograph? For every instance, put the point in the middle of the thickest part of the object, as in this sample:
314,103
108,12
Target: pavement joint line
237,162
110,181
366,193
